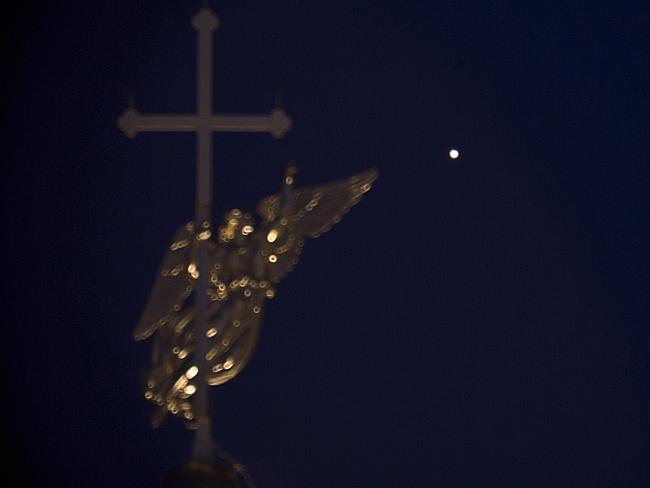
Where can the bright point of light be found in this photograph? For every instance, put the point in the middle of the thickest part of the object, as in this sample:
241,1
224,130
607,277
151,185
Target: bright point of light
453,154
191,373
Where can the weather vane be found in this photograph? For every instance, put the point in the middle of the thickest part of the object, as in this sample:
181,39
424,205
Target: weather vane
205,309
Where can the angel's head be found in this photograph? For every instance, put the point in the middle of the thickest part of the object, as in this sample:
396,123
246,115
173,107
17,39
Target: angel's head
236,227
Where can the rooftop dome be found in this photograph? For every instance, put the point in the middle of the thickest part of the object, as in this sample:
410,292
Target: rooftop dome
218,474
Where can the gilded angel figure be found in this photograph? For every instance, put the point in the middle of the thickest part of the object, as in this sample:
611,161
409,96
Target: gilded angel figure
247,261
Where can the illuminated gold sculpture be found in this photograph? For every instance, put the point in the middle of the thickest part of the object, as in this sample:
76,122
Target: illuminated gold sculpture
247,261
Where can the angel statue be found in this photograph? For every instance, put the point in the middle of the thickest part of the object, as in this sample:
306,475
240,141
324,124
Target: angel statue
246,262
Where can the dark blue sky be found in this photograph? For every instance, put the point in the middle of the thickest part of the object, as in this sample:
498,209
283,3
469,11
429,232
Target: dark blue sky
474,321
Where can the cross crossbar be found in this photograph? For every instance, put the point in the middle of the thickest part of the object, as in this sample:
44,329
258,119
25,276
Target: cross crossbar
277,123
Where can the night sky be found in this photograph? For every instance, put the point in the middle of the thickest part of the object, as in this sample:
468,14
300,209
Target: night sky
472,322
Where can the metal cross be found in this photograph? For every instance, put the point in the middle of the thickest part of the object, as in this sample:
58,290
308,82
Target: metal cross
204,123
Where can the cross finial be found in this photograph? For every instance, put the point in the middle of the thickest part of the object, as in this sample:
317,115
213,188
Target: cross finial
205,20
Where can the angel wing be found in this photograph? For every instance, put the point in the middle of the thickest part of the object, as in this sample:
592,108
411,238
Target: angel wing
172,286
293,215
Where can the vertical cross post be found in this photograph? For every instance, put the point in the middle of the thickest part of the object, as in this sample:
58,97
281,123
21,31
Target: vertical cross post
205,23
204,123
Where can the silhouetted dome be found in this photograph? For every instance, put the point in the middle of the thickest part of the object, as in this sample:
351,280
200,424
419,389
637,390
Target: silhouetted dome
219,474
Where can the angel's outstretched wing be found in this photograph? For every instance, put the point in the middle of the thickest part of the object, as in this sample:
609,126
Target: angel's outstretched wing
289,217
172,286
